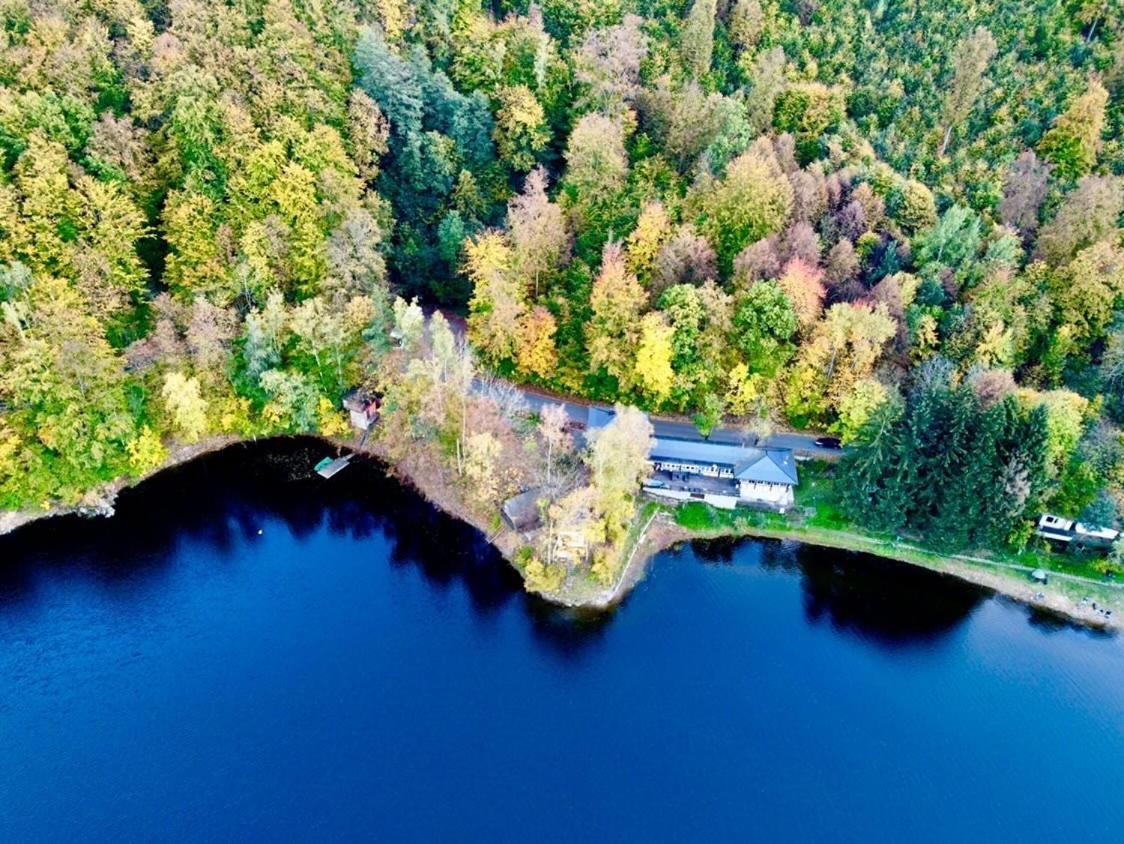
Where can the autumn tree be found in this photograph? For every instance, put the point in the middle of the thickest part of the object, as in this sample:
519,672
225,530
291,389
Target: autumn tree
842,350
1086,215
65,385
596,170
1088,290
753,199
535,350
653,357
369,131
482,454
497,301
1024,188
540,235
969,63
617,300
1073,141
608,65
521,130
653,230
618,463
697,40
766,82
553,428
686,258
185,405
747,20
802,284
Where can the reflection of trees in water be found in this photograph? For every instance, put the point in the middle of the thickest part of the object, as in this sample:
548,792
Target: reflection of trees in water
889,602
1048,622
223,499
567,632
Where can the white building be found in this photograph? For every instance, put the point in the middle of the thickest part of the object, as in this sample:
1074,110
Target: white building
721,474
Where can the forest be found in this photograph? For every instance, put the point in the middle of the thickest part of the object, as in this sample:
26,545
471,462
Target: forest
898,222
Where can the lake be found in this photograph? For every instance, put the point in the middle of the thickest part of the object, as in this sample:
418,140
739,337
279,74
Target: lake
248,652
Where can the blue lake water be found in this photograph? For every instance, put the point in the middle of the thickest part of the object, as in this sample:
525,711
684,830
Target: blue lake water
247,653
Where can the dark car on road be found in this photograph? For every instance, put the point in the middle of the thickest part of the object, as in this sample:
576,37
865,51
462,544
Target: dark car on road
828,442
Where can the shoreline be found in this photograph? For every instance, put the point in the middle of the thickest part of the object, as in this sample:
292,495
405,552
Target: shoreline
102,501
658,534
1000,580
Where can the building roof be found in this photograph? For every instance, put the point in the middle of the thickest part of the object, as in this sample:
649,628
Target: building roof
522,510
760,465
698,451
769,465
772,466
359,399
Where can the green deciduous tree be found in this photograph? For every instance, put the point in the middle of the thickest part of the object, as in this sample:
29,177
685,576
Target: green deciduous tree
752,199
1072,143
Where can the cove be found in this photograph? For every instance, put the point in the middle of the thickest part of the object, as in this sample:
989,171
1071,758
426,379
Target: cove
248,652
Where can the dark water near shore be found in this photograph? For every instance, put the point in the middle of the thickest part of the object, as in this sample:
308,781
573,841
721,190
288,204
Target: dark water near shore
244,655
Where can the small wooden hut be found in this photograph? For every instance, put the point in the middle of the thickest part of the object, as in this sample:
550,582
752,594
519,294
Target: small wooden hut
521,512
362,407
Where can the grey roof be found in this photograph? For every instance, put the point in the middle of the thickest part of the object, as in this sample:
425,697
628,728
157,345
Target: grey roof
762,465
522,510
698,451
769,465
774,465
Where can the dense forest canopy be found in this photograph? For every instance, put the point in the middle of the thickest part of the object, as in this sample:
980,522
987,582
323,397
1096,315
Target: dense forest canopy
898,221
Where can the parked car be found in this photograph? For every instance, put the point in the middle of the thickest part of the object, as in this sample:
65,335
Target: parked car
828,442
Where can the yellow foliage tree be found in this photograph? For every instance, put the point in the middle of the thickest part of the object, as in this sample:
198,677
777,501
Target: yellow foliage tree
521,131
497,302
652,231
186,406
535,351
481,467
653,357
146,452
858,405
842,350
333,422
617,300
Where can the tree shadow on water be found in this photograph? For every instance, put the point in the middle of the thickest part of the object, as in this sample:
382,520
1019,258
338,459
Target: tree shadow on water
223,500
568,633
888,602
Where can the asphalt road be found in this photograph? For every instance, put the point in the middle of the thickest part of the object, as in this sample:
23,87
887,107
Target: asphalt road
803,445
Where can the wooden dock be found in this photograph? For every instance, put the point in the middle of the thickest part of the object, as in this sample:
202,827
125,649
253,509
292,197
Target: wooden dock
328,467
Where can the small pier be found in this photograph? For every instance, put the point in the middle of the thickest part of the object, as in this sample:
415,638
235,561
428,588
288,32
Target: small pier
328,467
